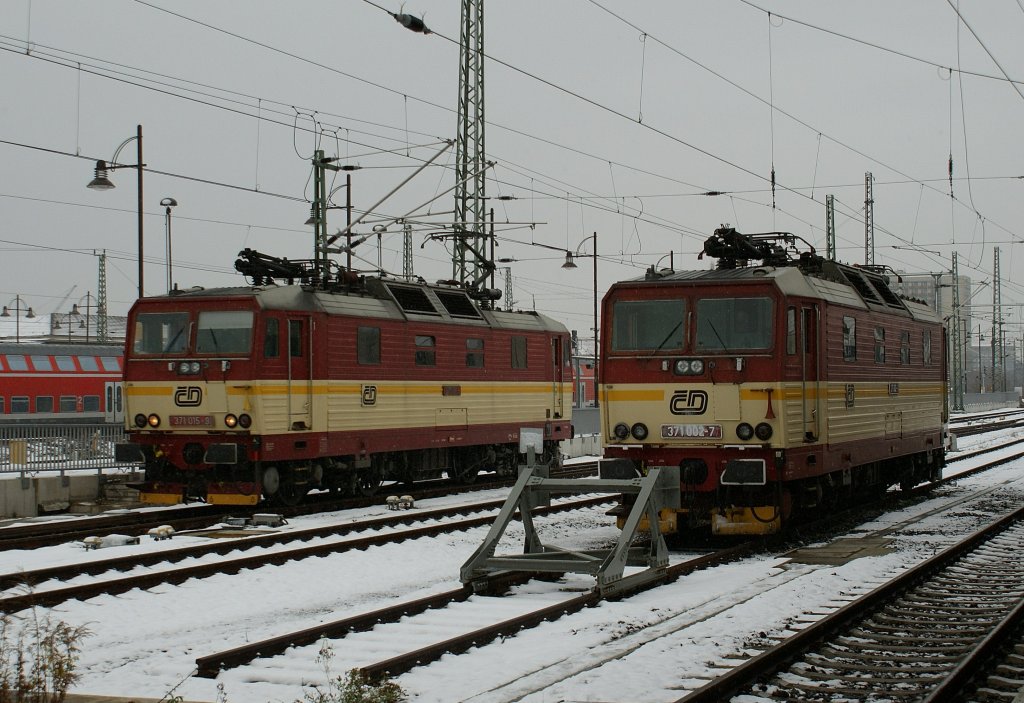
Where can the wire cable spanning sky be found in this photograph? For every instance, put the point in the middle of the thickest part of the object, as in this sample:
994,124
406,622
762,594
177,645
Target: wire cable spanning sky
649,124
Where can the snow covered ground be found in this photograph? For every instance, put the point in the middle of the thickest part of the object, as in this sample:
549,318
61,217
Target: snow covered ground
653,647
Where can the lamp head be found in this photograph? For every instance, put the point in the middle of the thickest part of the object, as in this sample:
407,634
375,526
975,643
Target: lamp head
101,181
29,315
169,202
569,263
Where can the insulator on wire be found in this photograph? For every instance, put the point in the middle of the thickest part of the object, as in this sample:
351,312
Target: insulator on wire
412,23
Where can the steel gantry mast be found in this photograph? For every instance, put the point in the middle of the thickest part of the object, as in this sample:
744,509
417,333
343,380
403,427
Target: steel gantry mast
869,221
959,373
998,373
471,264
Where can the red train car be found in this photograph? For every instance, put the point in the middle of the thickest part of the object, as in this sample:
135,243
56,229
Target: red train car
60,383
777,387
270,391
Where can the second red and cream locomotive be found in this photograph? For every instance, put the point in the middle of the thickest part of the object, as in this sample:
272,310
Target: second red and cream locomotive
778,383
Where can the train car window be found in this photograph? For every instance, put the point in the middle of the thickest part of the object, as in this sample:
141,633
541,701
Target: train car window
272,339
295,338
110,363
68,404
64,363
160,333
88,363
224,332
791,330
42,363
44,403
475,353
880,345
519,359
91,403
905,348
926,343
2,406
425,353
728,324
648,325
17,362
849,339
19,404
368,345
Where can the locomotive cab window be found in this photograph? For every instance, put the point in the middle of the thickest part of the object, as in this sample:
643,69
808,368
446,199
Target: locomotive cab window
648,325
224,332
160,333
425,353
728,324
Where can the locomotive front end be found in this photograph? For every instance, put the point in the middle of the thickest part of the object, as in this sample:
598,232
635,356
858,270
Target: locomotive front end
690,380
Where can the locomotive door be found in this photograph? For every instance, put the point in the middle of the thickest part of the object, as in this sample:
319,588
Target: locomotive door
113,406
557,376
300,373
810,373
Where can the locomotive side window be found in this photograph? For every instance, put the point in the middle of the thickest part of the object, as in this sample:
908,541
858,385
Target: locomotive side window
44,403
879,345
19,404
905,348
17,362
518,352
425,354
295,338
849,339
368,345
224,332
727,324
160,333
791,330
272,339
88,363
926,343
475,353
646,325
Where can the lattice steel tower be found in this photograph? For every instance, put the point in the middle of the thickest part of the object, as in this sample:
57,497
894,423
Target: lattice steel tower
998,369
830,227
869,221
101,298
956,351
471,264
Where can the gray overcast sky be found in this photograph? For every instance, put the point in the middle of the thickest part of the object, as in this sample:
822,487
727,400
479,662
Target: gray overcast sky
603,115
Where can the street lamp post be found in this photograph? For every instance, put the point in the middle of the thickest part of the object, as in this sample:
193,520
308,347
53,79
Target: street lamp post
168,203
75,311
17,300
102,182
570,264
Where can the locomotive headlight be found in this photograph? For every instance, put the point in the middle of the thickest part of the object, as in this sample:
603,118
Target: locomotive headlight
744,431
153,420
682,366
183,368
193,368
688,367
621,430
763,431
639,431
244,421
230,420
696,366
140,420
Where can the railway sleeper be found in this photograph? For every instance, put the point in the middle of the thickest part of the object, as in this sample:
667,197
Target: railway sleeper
820,660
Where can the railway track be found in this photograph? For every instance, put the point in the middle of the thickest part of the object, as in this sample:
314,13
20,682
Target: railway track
34,596
922,636
192,517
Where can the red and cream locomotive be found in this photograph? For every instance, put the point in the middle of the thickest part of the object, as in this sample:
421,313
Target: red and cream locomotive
776,387
268,391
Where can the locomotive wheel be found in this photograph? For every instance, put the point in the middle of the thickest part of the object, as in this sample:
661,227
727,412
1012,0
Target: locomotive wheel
271,481
290,494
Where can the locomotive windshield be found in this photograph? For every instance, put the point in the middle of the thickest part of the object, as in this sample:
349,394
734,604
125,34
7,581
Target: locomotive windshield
224,332
728,324
648,325
160,333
